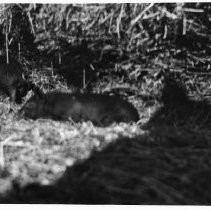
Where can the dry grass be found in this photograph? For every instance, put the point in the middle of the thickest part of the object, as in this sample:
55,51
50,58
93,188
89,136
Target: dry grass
60,162
84,164
162,161
39,151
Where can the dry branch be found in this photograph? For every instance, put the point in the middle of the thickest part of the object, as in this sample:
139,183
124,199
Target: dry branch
134,21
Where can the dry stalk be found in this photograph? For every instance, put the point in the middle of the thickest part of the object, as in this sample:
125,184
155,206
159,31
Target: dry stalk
110,22
94,21
193,10
134,21
30,20
84,78
4,8
119,21
2,164
184,25
2,143
151,15
7,50
10,23
67,18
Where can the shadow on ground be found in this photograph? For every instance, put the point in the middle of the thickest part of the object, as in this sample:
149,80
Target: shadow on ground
171,164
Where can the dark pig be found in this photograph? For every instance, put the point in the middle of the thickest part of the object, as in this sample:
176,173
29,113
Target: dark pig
102,110
12,82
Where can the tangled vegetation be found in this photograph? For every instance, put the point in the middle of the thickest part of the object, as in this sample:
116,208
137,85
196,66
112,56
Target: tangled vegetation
157,56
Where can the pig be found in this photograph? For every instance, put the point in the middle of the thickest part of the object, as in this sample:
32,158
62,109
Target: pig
12,82
101,110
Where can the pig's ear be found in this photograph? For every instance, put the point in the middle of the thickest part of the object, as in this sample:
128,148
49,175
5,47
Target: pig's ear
39,95
37,91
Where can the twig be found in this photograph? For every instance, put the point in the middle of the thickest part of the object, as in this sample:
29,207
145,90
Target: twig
151,15
119,21
133,22
2,143
110,22
84,78
30,20
199,73
193,10
106,18
94,21
19,51
184,25
10,23
2,164
5,8
7,51
67,18
171,15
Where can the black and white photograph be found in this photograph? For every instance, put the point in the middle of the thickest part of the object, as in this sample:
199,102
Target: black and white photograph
105,103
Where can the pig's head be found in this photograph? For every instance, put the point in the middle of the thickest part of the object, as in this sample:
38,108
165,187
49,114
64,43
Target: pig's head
21,91
34,107
23,87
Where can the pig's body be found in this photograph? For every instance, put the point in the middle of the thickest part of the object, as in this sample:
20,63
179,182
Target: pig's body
102,110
